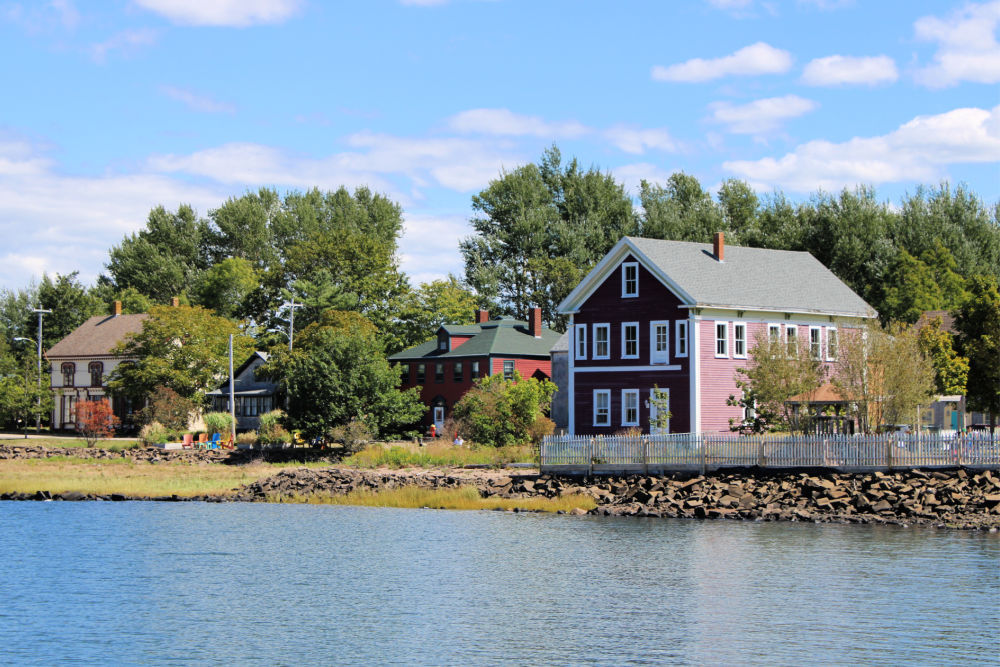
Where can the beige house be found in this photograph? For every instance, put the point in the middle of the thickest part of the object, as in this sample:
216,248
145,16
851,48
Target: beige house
82,361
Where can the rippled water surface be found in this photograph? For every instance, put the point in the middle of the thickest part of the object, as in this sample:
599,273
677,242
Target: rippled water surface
152,583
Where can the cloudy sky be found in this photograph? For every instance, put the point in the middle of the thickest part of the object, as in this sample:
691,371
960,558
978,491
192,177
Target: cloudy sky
110,108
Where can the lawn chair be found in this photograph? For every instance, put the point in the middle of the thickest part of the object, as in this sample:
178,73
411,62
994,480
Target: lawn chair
229,443
188,442
216,439
202,441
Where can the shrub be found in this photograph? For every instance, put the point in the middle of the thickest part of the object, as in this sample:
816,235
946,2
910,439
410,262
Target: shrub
353,436
248,438
219,422
169,408
153,433
96,420
501,412
271,431
541,427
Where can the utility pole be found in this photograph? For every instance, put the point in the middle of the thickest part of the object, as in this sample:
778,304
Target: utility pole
38,415
232,390
291,321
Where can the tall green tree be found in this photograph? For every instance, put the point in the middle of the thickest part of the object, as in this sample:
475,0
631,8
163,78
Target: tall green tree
680,210
71,306
433,304
978,325
951,370
183,348
338,373
225,285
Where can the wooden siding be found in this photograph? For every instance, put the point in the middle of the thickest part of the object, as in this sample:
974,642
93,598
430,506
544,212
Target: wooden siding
526,367
586,383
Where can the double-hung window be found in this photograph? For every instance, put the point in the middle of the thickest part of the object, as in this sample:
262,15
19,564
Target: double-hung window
816,343
630,279
774,333
739,340
420,374
681,339
457,371
475,370
508,369
630,340
831,344
581,341
602,407
439,372
792,340
630,407
602,341
659,342
722,340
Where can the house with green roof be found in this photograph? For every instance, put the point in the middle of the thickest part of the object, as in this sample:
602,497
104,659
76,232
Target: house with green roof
447,365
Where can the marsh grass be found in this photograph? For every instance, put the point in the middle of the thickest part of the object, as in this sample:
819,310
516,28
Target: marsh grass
104,477
436,454
463,498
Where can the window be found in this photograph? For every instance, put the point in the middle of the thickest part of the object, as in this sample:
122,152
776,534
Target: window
443,343
792,340
602,341
68,371
475,370
722,339
831,344
96,373
602,407
681,339
740,340
815,343
659,342
630,407
581,341
508,369
630,340
439,372
421,373
457,371
630,279
774,333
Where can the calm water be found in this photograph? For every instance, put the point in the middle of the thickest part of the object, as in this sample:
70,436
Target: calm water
153,583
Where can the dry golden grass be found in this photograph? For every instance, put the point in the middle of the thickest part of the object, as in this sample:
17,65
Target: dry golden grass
58,475
464,498
437,453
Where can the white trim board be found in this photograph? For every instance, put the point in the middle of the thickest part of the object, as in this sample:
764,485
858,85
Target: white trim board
625,369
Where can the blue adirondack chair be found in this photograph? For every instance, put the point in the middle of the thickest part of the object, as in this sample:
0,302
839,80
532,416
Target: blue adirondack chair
216,439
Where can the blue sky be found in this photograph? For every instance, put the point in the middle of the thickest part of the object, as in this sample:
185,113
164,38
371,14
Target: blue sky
110,108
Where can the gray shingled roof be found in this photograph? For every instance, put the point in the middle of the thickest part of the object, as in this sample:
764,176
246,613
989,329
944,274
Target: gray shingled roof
496,337
97,336
753,278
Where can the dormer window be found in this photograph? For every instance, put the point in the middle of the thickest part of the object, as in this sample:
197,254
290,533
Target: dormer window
630,279
443,342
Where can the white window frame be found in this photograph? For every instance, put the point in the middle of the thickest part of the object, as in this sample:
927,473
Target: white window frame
606,393
681,338
625,326
607,340
581,341
626,395
724,340
625,267
791,328
776,339
665,358
836,348
736,352
819,344
653,409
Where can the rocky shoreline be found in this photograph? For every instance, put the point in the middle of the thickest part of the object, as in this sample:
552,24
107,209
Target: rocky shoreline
953,498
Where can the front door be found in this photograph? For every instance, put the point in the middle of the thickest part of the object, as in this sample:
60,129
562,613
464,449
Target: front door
439,418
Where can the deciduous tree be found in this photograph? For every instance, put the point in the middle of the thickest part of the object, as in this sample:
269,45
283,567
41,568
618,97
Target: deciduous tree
978,325
501,412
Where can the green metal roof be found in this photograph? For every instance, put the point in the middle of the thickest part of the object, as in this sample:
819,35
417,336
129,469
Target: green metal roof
494,338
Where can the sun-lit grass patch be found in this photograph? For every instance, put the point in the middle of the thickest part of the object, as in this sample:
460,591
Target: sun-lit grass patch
463,498
113,445
104,477
436,454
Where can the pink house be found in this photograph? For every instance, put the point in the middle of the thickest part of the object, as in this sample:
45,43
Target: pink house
682,317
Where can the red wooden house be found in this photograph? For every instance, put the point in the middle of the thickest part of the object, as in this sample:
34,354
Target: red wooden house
446,366
682,317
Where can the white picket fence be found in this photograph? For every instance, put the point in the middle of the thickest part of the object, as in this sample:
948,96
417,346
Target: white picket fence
704,452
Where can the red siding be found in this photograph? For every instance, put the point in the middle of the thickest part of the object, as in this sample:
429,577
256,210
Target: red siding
449,390
456,341
586,383
526,367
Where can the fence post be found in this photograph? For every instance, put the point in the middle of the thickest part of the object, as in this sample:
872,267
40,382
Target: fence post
703,445
760,452
590,458
645,455
888,452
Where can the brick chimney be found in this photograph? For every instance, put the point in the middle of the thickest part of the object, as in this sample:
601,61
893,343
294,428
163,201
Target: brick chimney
175,302
118,308
482,316
535,322
720,246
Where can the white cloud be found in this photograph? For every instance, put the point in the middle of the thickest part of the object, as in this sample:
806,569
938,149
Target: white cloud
759,58
197,102
127,41
636,140
227,13
69,17
917,151
839,70
967,46
507,123
760,116
429,247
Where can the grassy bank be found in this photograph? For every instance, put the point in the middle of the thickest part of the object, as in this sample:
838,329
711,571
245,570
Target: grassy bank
112,445
436,454
102,477
464,498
